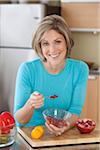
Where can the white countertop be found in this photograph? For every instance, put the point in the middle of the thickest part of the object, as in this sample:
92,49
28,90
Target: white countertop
92,77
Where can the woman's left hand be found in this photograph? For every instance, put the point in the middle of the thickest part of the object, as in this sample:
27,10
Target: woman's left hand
60,130
56,130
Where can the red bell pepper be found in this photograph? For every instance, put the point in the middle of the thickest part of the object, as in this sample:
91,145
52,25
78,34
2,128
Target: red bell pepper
7,122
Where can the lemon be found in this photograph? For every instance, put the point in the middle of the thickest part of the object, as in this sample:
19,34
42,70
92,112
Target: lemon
37,132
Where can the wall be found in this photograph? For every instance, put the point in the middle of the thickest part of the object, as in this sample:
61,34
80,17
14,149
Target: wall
87,46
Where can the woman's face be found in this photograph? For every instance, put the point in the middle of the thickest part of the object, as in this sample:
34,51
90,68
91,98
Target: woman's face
54,47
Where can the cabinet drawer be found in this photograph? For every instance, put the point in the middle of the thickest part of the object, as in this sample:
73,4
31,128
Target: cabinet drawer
81,15
91,107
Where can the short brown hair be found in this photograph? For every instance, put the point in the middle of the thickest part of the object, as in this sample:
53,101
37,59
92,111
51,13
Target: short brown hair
56,23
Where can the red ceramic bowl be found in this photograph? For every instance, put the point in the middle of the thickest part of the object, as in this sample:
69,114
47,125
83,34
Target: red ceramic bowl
85,125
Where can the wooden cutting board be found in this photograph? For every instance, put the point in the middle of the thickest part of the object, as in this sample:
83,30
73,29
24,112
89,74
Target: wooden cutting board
73,136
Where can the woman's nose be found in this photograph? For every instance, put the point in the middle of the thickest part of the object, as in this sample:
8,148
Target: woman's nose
52,48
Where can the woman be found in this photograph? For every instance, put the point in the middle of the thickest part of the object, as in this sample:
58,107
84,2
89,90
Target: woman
51,74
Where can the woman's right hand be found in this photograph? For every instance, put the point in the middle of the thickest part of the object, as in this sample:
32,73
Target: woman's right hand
36,100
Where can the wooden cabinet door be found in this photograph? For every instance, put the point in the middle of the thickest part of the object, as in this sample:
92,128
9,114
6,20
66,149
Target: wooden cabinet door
81,15
91,107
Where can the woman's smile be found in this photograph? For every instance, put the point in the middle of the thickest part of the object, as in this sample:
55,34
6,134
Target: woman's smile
54,55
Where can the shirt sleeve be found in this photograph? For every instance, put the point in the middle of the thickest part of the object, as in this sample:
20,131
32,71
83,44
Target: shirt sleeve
23,88
79,89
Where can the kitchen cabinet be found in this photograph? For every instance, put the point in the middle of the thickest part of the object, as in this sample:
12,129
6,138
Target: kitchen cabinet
82,15
91,108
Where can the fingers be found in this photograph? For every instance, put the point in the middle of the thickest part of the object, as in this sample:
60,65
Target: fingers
55,130
48,126
37,104
36,100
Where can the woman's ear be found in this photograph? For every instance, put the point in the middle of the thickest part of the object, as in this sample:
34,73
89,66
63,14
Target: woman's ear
68,53
71,43
70,48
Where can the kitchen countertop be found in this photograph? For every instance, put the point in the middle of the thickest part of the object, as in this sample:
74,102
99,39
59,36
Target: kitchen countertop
21,144
72,137
94,72
92,76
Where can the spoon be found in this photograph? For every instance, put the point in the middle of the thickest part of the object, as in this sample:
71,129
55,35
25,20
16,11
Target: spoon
52,97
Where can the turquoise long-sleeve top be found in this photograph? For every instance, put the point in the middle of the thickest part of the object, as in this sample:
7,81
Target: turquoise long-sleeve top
69,85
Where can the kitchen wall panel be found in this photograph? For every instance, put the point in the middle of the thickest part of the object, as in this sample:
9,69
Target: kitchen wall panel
87,46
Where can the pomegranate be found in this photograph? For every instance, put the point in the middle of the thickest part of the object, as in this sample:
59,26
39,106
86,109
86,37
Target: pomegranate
85,125
56,122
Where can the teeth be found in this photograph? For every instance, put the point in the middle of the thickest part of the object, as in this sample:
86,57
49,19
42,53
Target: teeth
56,55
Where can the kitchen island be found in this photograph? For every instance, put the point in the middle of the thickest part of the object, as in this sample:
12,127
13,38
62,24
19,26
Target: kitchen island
21,144
71,140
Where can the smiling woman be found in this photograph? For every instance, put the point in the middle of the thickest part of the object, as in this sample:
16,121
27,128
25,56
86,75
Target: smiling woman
53,73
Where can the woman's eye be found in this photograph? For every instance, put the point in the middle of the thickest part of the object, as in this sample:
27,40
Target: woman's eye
45,44
58,42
